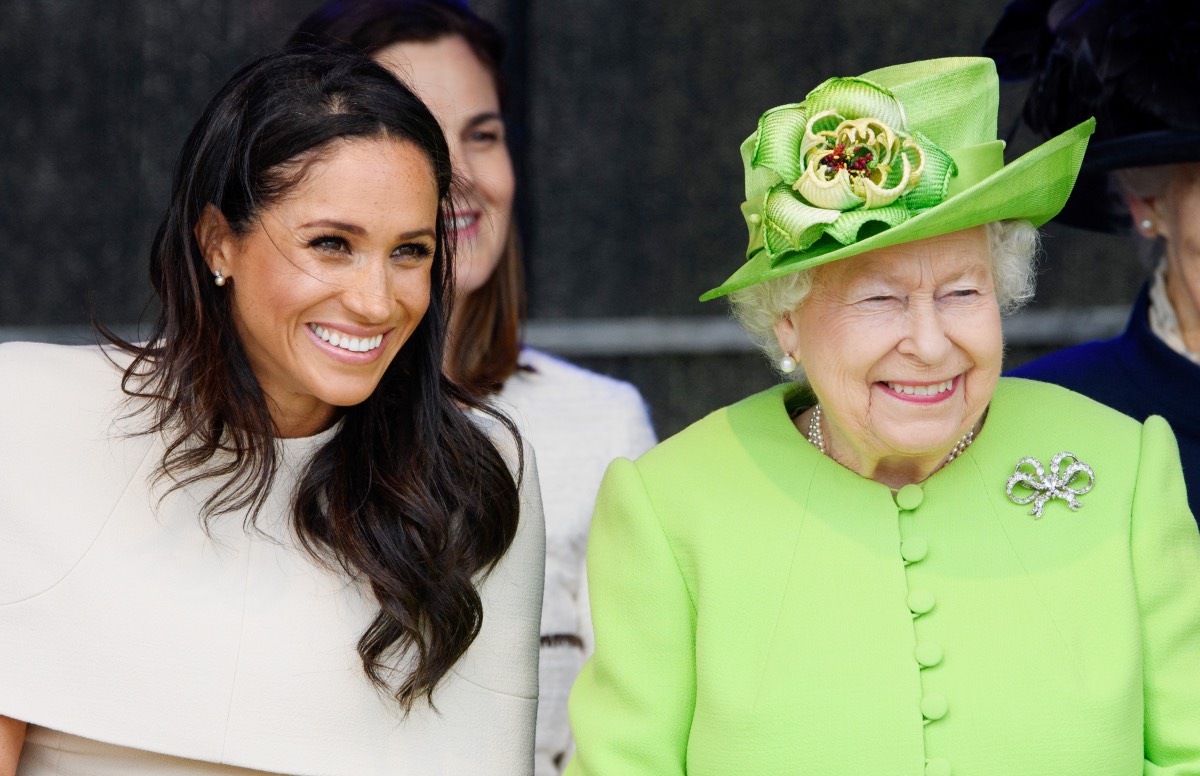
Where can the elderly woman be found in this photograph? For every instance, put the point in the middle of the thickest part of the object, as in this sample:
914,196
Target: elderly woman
1141,176
269,540
891,566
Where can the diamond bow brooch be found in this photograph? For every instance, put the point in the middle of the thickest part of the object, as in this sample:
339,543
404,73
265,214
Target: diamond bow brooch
1065,483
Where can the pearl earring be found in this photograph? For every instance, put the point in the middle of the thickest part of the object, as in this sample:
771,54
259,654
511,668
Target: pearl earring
218,278
1147,224
787,364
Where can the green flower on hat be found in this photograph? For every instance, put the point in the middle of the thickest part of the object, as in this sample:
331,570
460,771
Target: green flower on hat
830,165
895,155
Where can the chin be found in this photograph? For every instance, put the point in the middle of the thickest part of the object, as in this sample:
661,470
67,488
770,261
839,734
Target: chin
923,443
348,398
346,393
473,270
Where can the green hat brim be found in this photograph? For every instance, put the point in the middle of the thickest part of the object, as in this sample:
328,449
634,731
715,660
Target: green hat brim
1033,187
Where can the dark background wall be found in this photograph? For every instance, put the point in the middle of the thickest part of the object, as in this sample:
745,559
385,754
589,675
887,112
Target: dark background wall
627,128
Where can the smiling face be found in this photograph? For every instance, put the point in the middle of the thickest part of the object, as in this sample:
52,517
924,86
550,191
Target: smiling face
327,284
461,93
902,347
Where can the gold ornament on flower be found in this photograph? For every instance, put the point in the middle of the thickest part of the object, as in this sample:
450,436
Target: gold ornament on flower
858,163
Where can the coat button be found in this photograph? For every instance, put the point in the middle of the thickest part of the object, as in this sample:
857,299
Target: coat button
928,654
938,766
920,601
909,497
934,706
914,549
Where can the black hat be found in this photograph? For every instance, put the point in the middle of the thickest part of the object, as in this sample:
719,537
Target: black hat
1133,64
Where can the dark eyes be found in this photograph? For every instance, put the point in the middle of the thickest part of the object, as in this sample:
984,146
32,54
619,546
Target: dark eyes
413,251
329,243
486,134
335,245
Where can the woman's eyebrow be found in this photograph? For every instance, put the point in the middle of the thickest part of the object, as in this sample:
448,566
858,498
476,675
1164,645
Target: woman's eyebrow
342,226
483,118
355,229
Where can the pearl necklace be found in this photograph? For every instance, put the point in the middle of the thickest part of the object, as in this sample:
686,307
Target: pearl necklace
818,439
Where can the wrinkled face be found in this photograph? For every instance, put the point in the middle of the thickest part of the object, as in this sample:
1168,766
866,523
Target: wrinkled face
330,281
1174,215
902,346
461,93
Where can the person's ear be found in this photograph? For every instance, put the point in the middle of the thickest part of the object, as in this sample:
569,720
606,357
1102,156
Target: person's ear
216,240
1148,218
789,341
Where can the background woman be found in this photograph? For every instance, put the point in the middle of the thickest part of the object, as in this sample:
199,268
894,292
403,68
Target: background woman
1133,65
270,540
575,420
902,564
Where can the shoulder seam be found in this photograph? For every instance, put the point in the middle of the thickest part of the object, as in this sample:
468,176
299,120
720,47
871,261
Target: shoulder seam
666,538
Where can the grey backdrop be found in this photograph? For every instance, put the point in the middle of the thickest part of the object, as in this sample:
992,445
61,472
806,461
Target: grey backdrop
627,128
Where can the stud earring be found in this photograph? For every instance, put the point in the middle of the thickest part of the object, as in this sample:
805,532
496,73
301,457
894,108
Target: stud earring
1147,224
218,278
787,364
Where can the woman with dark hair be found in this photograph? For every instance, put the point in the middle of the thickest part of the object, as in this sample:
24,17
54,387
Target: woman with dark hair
269,540
575,420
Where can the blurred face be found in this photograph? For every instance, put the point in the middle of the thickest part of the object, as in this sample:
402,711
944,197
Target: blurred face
330,281
1174,215
902,346
461,93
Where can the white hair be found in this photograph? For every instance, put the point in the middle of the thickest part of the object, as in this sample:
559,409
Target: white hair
1148,183
1012,245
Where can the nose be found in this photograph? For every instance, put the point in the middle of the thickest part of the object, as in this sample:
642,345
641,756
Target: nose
461,163
367,292
456,154
926,337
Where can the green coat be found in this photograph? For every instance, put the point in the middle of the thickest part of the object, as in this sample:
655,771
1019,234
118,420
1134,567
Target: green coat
761,610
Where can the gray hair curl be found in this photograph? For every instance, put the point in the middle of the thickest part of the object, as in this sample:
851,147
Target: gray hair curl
1013,245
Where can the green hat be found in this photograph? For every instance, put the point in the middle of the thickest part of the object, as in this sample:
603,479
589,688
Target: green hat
888,157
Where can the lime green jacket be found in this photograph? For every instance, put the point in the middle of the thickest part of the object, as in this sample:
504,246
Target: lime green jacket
760,609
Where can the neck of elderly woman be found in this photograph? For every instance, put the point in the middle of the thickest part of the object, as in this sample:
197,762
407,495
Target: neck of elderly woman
893,468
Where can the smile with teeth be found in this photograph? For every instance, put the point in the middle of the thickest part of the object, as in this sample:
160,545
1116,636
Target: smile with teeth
464,220
922,390
345,341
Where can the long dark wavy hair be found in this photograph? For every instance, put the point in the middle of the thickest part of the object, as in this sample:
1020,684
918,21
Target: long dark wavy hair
409,496
489,321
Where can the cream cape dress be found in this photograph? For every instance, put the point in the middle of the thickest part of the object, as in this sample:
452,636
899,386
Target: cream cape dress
135,643
577,422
